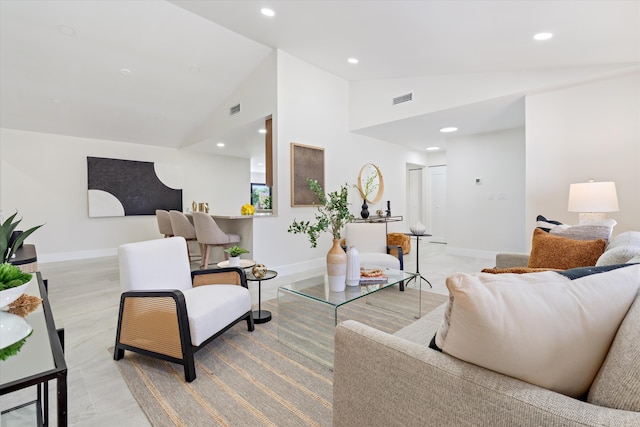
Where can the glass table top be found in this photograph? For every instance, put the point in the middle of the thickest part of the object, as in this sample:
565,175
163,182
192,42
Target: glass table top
317,288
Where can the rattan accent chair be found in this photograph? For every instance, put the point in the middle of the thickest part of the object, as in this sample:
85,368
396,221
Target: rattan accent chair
164,223
169,312
183,227
210,235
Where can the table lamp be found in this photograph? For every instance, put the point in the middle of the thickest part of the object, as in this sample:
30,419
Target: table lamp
592,199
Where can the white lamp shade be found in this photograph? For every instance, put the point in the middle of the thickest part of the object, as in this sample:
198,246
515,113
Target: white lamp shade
593,197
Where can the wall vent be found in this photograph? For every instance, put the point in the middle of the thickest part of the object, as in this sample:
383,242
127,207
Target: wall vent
403,98
234,110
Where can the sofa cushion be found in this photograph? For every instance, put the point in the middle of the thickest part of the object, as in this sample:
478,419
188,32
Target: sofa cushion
600,229
623,248
542,328
617,384
549,251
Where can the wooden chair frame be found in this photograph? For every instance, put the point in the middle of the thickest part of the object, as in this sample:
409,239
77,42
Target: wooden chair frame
133,332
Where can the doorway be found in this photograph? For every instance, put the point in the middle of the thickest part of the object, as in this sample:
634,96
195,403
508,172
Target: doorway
414,195
438,203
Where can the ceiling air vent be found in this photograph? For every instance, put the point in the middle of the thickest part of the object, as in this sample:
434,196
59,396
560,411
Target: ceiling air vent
403,98
234,110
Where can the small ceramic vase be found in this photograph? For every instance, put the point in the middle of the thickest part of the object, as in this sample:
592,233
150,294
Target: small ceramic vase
418,228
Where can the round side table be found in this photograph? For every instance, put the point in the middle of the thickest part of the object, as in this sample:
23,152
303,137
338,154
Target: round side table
259,315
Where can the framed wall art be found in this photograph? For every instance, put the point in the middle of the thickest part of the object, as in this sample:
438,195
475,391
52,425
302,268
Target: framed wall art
306,162
128,187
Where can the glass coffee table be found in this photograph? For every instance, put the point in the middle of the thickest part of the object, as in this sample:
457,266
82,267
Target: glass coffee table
308,311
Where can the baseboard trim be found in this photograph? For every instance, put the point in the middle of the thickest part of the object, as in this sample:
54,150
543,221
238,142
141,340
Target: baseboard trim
73,256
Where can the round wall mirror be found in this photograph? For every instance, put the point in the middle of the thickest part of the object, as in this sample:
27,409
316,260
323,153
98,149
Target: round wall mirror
370,183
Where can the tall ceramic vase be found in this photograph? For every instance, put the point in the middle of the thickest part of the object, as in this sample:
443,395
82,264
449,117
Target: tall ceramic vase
337,267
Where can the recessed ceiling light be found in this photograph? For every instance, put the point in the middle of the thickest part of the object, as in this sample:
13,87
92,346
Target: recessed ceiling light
352,60
448,129
267,12
57,101
67,30
125,72
543,36
194,70
433,148
262,131
220,144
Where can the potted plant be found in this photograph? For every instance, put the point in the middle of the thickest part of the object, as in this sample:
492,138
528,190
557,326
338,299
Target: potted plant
13,282
332,214
234,255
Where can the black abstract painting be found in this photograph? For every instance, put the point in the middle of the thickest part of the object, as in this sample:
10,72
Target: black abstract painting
127,187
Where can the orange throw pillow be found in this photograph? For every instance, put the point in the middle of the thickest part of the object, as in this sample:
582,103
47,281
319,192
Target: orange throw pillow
548,251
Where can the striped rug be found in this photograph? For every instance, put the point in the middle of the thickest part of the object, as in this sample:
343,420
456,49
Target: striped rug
251,378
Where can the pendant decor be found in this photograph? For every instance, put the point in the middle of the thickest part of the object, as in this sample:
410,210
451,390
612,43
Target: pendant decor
353,267
337,267
364,213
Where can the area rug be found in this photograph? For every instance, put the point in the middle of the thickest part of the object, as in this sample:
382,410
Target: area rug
250,378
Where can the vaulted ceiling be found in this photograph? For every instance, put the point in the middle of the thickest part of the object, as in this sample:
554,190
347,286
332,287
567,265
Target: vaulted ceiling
152,72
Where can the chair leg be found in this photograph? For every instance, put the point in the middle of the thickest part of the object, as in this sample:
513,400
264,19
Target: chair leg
205,256
189,368
250,323
118,353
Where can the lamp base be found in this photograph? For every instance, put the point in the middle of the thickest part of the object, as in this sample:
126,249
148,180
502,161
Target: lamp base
589,217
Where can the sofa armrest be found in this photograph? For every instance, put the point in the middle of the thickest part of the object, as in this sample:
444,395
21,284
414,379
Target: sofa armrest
383,380
510,259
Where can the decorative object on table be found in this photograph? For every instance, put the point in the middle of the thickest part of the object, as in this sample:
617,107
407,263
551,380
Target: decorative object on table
370,185
234,255
592,199
259,271
306,163
13,281
194,206
388,207
418,228
372,276
10,240
203,207
333,211
353,267
380,213
247,209
14,331
24,305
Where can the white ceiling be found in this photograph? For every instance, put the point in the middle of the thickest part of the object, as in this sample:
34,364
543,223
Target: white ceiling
186,57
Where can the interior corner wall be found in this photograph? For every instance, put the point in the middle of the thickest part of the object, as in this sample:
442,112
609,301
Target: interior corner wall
44,178
312,109
486,217
587,131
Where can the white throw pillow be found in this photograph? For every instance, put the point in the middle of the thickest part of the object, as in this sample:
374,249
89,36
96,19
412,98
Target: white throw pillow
542,328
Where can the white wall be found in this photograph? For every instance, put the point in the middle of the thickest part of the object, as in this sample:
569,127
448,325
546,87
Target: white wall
44,178
486,218
585,131
371,99
313,110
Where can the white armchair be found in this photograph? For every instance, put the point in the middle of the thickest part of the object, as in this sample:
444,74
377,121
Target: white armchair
168,311
370,239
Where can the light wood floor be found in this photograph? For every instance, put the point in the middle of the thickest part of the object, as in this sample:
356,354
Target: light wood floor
84,296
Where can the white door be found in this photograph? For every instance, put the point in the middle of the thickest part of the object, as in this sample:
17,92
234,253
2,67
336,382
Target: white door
414,196
437,203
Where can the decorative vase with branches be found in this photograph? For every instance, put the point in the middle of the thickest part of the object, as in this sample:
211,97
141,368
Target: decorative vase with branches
332,214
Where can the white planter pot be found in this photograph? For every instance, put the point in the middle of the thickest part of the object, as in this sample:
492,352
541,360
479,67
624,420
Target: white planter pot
234,261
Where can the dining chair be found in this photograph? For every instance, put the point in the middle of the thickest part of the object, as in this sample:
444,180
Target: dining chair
164,223
209,235
182,227
169,312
